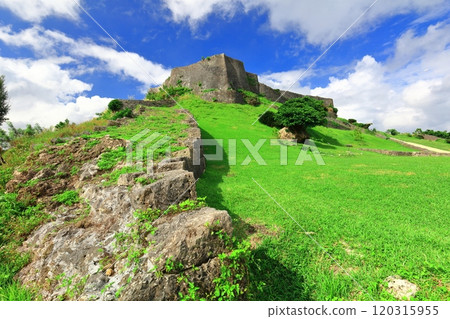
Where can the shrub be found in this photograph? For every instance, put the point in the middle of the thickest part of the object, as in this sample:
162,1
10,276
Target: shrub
392,131
61,125
268,119
352,121
301,113
68,198
122,113
250,97
115,105
335,110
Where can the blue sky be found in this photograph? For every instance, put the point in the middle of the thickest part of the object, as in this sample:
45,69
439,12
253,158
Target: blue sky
391,68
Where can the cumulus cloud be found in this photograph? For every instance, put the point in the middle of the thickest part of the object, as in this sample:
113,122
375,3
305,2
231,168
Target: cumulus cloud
41,91
409,90
287,80
37,10
321,22
48,42
45,89
194,11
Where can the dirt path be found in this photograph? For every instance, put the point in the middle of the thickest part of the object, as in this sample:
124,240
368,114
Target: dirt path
420,146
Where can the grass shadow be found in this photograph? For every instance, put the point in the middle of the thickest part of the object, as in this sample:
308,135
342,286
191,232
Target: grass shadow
279,282
269,278
209,182
324,140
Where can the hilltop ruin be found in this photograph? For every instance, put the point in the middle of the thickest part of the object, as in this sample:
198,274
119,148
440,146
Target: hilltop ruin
220,78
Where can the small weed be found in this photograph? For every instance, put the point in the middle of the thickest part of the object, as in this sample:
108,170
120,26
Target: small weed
68,198
91,143
113,177
31,183
144,180
110,159
74,170
187,205
74,288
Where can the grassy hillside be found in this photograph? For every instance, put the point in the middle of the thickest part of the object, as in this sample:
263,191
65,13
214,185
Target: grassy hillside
20,212
375,215
378,216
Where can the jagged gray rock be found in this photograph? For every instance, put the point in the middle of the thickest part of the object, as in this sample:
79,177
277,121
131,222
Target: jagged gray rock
96,249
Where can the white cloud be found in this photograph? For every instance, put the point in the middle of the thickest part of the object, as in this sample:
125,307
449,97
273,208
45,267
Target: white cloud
409,90
288,80
46,90
42,92
48,42
320,21
195,11
37,10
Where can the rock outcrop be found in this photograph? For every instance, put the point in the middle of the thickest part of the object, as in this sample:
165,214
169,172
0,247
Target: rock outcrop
128,241
220,78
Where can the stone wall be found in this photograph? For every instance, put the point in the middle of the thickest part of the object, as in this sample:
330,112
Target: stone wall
131,104
87,252
219,78
401,153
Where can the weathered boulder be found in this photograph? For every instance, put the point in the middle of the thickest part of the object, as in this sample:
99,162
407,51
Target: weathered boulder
286,134
84,261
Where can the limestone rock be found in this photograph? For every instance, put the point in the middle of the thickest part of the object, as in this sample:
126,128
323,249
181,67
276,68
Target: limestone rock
401,288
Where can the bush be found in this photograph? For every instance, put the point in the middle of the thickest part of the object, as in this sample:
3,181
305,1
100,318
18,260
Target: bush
392,131
115,105
122,113
61,124
268,119
301,113
352,121
250,97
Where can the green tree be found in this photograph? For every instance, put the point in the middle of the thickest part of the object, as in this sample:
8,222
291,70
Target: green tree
301,113
4,106
392,131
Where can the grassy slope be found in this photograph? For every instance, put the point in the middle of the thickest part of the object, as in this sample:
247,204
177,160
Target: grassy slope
18,219
440,143
377,215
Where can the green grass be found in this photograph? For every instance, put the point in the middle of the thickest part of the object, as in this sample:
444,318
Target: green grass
440,143
18,218
68,198
376,215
